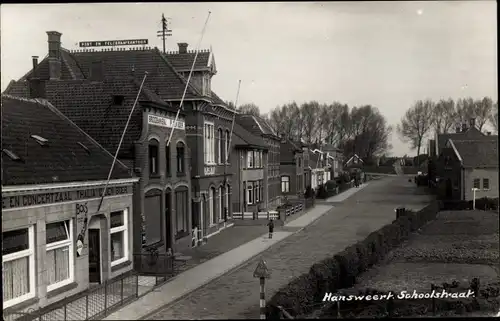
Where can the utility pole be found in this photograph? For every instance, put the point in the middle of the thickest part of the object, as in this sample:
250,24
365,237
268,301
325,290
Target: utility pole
164,32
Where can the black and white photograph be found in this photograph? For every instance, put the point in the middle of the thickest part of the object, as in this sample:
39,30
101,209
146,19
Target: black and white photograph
249,160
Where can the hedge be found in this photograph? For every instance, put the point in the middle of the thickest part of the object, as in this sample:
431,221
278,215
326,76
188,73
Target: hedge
484,203
340,271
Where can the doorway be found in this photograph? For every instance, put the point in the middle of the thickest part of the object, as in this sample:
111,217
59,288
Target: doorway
449,189
94,256
168,219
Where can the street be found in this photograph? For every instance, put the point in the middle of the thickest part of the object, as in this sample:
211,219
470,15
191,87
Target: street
236,294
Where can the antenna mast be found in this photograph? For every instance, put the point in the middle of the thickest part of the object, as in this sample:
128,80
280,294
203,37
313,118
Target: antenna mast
164,32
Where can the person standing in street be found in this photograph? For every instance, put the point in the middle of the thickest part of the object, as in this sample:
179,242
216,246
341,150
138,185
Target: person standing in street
271,228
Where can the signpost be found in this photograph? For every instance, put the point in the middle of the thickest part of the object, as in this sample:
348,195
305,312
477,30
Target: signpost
474,198
113,43
262,272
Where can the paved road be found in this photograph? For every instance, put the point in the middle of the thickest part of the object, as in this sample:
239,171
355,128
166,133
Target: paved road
236,294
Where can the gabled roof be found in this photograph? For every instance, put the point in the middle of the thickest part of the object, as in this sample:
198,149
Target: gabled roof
184,61
352,157
61,159
256,125
476,153
244,138
89,104
470,133
162,77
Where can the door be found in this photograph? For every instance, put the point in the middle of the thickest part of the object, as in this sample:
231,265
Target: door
94,256
449,189
168,219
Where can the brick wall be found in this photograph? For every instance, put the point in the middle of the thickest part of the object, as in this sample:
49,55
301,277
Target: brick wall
490,174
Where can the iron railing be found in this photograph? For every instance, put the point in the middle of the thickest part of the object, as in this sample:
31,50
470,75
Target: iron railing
155,264
92,304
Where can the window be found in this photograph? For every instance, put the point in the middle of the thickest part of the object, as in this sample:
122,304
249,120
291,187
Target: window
153,157
285,184
211,205
219,148
486,183
226,149
250,159
209,143
256,191
118,100
226,199
167,160
477,183
249,192
18,266
180,157
153,214
261,190
299,159
59,262
219,199
181,211
119,237
40,140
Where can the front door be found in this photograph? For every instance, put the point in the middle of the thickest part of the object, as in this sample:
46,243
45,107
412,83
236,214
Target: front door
449,189
94,256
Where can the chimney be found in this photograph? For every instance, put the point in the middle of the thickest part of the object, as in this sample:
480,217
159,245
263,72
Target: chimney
464,127
472,122
458,129
183,47
488,133
35,64
54,40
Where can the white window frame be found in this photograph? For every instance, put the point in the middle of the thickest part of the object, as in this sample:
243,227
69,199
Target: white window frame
124,229
226,200
69,243
226,144
211,201
286,185
30,253
250,160
249,193
219,200
487,180
220,134
209,142
479,184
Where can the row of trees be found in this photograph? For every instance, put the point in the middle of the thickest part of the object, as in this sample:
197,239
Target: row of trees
427,117
362,130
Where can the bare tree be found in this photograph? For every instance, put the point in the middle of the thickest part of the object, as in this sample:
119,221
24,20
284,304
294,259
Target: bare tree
331,122
310,116
482,111
249,109
493,117
416,123
444,115
286,120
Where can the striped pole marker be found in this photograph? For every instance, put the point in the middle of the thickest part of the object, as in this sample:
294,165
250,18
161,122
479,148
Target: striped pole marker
262,298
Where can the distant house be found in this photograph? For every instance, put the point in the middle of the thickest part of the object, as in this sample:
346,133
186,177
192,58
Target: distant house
56,240
335,159
292,168
319,169
468,164
353,160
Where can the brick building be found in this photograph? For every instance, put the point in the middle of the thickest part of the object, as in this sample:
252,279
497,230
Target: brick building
469,164
335,158
55,242
258,126
248,167
292,169
96,90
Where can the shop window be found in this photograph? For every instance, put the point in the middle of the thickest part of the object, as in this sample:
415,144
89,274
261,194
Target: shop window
18,266
119,237
59,257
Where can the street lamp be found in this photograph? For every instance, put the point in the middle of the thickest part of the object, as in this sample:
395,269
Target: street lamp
474,189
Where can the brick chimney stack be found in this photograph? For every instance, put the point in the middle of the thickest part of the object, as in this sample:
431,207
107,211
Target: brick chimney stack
183,47
35,64
472,122
54,59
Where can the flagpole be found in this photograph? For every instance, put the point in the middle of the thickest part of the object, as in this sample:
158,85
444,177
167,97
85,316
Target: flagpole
81,236
228,148
187,82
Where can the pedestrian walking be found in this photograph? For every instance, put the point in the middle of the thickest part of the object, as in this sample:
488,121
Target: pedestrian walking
271,228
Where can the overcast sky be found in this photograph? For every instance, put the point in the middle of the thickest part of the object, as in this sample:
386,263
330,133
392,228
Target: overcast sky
387,54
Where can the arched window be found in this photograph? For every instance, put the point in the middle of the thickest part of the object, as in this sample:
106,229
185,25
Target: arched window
167,160
227,199
211,205
153,157
285,184
219,146
219,199
180,157
227,142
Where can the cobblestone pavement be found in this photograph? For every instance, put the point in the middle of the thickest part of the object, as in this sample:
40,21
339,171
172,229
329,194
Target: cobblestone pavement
236,294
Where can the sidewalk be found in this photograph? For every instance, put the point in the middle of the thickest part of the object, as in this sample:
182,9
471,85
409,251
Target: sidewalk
202,274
